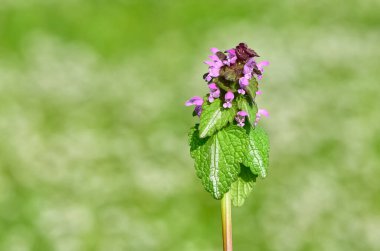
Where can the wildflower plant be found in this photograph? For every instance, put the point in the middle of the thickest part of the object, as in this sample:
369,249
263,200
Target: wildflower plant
229,148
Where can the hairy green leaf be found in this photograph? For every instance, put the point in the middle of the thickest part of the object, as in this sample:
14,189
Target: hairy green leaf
214,117
252,88
243,186
250,107
257,155
195,141
217,158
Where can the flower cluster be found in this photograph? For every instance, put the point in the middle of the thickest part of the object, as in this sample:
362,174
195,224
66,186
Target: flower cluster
229,76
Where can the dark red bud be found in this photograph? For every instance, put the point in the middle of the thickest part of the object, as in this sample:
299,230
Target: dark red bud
243,53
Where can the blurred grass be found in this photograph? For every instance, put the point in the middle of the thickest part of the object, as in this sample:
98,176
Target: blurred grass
93,147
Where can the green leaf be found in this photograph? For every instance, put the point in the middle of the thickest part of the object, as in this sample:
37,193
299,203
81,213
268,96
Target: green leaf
195,141
257,155
250,107
214,117
243,186
252,88
217,158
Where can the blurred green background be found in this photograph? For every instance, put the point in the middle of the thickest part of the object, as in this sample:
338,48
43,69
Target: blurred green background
93,147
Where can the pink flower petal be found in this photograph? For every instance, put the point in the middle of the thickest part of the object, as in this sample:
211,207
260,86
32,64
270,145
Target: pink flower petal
262,64
232,52
229,96
241,91
263,112
248,67
212,86
242,113
214,50
214,58
214,72
243,82
196,100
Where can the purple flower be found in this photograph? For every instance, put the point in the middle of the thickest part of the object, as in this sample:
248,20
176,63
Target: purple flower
228,99
231,57
198,110
259,114
213,71
248,68
243,82
215,61
247,71
259,92
241,91
263,112
214,50
197,101
240,118
260,66
214,65
214,92
208,78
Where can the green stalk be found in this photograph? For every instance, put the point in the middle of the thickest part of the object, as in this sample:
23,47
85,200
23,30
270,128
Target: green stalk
226,222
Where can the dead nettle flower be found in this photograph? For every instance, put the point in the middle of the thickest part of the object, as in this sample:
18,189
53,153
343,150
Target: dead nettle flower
198,102
214,92
215,64
260,66
247,71
228,99
231,57
259,113
240,118
229,75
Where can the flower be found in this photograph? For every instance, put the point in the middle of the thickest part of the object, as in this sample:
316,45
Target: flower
215,64
240,118
231,57
228,99
230,73
259,92
214,92
259,114
197,101
247,71
260,66
243,82
241,91
248,68
243,53
214,50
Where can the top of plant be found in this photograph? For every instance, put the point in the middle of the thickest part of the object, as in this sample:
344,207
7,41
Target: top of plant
229,149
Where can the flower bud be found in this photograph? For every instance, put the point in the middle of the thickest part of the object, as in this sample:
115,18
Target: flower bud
243,52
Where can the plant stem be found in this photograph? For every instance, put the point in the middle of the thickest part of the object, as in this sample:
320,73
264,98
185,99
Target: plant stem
226,222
